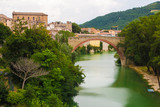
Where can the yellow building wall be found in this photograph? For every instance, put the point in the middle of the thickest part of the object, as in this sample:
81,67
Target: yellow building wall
95,43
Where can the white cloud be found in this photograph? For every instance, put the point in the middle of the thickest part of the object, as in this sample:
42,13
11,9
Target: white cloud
78,11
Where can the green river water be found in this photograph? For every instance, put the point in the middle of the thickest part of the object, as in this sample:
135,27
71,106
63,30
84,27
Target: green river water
109,85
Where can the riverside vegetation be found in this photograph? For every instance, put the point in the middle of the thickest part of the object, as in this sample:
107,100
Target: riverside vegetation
87,50
41,69
142,42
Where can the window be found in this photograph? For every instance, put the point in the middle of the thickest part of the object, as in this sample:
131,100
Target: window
33,18
23,18
17,17
28,18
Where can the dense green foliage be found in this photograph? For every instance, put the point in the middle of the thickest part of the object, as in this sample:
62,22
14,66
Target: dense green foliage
122,18
4,32
118,61
16,97
3,92
57,88
62,38
76,28
142,41
110,48
87,50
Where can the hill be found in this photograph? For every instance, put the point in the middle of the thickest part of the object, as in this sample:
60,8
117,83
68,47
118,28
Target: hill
122,18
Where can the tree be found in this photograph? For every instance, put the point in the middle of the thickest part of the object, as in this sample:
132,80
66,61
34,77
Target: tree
142,42
63,76
19,26
4,32
101,46
89,47
121,18
54,101
155,46
26,44
139,37
118,61
110,47
156,62
62,39
76,28
27,68
49,55
62,36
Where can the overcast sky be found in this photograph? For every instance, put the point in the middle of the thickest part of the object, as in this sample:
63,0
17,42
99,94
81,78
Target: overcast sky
78,11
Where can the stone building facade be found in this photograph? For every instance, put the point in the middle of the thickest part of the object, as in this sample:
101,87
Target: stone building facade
6,21
55,27
32,18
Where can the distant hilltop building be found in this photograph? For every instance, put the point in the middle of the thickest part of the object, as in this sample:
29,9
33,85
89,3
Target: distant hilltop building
110,33
55,27
6,21
91,30
114,32
32,18
97,32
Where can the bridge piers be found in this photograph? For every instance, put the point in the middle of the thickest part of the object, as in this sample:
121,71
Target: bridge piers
123,62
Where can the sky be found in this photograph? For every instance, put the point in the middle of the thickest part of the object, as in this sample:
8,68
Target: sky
78,11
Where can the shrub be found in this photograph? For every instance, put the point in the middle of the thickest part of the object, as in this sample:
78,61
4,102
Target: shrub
15,98
3,92
54,101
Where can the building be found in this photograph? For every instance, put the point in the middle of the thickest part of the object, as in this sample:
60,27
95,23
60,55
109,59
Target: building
32,18
106,34
95,43
6,21
55,27
114,32
91,30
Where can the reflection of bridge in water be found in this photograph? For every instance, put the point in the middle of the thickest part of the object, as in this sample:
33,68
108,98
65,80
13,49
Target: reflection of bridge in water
75,42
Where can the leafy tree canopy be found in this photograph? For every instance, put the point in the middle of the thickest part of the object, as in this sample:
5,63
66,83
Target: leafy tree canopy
76,28
4,32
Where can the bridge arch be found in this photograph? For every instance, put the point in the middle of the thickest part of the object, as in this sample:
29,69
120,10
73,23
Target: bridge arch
122,57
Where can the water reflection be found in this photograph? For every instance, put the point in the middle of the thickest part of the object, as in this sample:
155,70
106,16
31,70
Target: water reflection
108,85
100,71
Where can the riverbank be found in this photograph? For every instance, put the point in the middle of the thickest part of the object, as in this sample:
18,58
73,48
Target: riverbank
150,78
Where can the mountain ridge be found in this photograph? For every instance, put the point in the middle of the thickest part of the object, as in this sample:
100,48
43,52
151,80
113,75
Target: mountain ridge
121,18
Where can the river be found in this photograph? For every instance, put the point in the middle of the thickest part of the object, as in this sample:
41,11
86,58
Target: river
109,85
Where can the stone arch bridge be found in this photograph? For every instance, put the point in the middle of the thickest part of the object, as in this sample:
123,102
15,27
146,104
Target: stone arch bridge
75,42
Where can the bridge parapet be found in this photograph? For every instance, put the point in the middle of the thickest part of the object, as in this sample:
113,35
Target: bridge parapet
73,41
103,37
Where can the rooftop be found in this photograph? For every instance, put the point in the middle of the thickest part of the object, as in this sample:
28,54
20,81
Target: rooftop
4,16
29,13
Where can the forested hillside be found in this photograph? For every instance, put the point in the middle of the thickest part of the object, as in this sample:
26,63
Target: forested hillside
122,18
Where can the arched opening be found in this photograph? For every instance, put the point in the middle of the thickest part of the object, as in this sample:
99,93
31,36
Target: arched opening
115,47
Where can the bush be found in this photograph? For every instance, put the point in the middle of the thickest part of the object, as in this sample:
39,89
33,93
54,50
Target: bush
3,92
15,98
36,103
53,100
118,61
